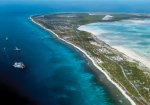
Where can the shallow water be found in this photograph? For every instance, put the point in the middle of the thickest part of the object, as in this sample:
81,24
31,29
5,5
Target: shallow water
133,34
55,74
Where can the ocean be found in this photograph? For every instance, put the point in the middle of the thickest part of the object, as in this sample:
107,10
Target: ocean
56,74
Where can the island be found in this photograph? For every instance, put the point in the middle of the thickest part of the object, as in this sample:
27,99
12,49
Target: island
131,77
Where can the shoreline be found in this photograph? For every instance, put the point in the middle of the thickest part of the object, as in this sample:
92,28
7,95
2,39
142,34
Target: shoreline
133,55
123,92
127,52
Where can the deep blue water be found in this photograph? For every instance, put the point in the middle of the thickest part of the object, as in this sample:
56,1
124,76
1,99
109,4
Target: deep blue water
55,73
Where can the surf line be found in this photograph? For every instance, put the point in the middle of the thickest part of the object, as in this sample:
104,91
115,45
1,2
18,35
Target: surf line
98,67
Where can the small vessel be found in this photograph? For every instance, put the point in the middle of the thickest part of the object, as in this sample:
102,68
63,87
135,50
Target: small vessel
19,65
17,49
6,38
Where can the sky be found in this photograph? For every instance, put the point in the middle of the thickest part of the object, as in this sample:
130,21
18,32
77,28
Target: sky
99,1
124,2
45,1
75,0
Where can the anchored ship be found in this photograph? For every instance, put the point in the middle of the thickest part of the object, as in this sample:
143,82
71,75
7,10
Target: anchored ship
19,65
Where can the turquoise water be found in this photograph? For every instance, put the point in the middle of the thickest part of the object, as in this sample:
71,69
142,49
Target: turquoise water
133,34
56,74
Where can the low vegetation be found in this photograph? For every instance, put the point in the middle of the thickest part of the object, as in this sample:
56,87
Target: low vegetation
132,77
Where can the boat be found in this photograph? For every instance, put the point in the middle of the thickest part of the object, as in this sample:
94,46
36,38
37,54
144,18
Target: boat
17,49
19,65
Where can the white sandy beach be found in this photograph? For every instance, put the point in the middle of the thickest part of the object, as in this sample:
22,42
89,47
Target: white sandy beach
127,51
136,56
98,67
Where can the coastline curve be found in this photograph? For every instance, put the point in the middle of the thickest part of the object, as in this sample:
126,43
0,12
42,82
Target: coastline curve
93,62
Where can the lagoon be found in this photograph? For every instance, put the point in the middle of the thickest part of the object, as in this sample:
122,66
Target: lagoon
55,73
